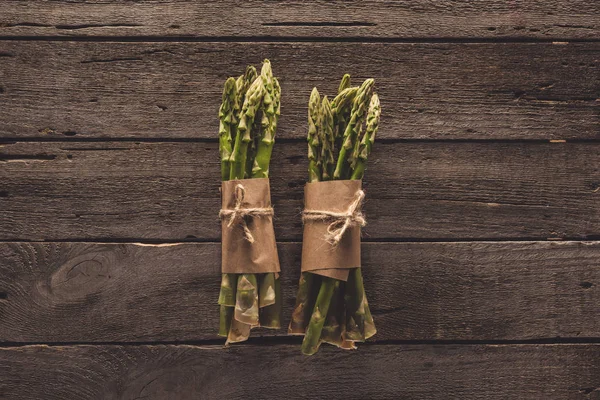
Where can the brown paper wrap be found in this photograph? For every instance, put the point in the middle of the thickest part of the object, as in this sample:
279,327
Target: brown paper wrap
238,254
318,255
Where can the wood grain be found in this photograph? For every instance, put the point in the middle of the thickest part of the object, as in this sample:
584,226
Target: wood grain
411,372
308,19
74,90
84,292
415,190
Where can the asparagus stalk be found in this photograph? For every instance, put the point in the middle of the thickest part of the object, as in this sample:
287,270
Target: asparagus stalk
228,289
353,130
302,308
327,140
345,83
360,325
227,128
341,106
227,124
246,307
332,329
255,133
355,312
270,316
363,149
252,102
266,293
242,84
225,316
312,339
227,302
270,285
314,168
270,115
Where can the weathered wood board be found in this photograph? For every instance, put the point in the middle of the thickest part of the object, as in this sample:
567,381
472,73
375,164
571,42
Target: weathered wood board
79,90
210,372
495,19
85,292
415,190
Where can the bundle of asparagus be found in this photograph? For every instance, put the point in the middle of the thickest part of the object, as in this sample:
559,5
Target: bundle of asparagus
340,136
248,120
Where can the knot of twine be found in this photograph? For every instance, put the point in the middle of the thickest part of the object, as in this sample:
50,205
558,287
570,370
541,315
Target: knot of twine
341,221
239,214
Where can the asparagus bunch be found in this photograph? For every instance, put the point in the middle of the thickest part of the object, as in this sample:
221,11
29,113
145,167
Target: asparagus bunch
340,137
248,121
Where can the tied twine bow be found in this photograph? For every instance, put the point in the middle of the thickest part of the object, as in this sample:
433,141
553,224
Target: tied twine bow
239,214
341,221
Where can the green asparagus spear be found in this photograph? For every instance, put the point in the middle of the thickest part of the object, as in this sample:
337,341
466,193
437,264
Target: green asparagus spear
332,329
341,106
363,149
242,84
248,113
255,133
228,289
355,312
312,339
227,128
327,140
314,108
344,84
225,317
270,316
270,115
227,124
266,293
353,130
302,308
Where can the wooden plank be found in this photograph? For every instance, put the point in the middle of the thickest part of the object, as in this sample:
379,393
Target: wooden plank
173,90
84,292
494,19
277,372
415,190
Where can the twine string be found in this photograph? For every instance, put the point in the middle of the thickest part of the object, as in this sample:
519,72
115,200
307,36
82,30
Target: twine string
340,221
238,214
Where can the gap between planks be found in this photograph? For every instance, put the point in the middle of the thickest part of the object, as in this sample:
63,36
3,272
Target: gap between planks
294,39
297,340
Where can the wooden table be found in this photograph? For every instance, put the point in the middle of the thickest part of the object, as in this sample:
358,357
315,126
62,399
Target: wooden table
481,257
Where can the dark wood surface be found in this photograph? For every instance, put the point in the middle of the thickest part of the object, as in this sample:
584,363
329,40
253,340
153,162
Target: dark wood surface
209,372
415,190
378,19
481,252
87,292
172,90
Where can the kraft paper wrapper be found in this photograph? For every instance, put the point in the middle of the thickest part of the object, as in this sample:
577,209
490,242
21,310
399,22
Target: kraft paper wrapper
318,256
238,255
